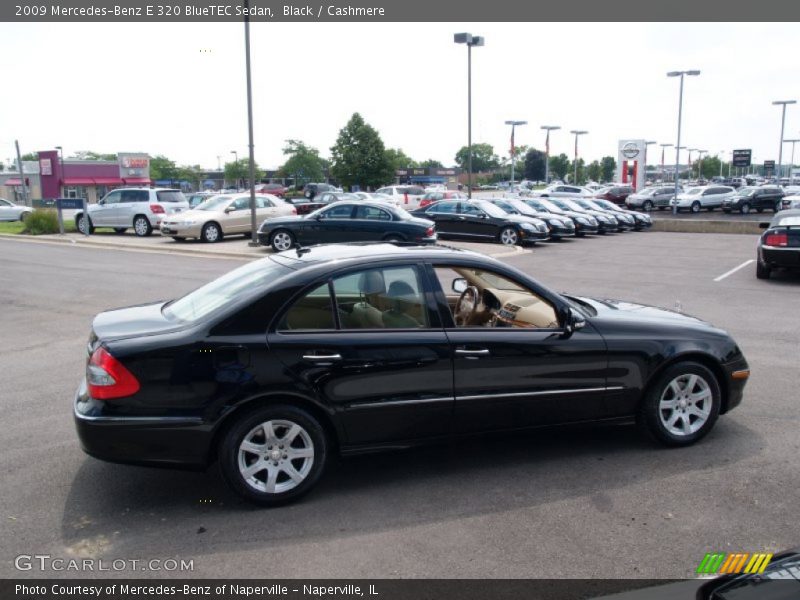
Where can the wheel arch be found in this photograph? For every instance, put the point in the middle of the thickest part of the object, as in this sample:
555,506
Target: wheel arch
707,360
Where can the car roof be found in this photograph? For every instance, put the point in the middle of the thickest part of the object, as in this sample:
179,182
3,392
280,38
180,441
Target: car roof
794,212
369,251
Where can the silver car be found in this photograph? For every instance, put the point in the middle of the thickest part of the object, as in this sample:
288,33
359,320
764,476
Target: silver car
706,196
13,212
140,208
651,197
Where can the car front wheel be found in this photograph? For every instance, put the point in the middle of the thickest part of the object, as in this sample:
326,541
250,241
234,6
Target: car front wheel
211,233
274,454
682,404
745,208
648,205
509,236
83,222
281,240
141,226
695,207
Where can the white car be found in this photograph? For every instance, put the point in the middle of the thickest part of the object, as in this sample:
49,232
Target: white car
375,196
565,191
704,196
13,212
789,202
140,207
408,196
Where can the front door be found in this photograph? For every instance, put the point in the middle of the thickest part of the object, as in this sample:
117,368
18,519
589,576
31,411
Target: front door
106,212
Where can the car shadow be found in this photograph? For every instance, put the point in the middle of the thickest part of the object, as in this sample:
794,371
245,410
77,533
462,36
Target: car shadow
118,509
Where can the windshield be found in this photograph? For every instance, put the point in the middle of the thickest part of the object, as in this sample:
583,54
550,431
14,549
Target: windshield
237,283
215,203
570,205
746,191
694,192
492,210
583,203
551,206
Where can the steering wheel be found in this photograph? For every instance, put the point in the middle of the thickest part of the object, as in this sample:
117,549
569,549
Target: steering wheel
467,306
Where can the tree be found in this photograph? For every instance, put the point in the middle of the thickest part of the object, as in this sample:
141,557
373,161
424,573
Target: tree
359,156
594,171
304,163
91,155
609,166
710,166
194,174
238,171
519,160
483,158
162,168
30,156
399,159
534,165
579,173
559,165
431,164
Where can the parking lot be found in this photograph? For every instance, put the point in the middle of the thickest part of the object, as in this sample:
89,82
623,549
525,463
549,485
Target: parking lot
600,502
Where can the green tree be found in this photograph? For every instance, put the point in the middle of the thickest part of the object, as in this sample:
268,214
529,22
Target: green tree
559,165
30,156
580,173
609,167
238,172
534,165
710,166
162,168
194,174
304,163
431,164
400,160
359,156
483,158
91,155
519,161
594,171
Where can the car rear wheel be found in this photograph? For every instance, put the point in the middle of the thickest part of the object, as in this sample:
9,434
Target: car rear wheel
141,226
274,454
211,233
178,239
393,238
762,270
682,405
24,215
120,230
509,236
745,208
282,240
648,205
695,207
82,223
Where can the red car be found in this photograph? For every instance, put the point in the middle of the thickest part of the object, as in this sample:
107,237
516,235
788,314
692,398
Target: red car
431,197
616,194
276,189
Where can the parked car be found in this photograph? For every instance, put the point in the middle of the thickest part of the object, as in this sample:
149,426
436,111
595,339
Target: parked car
359,221
312,189
13,212
651,197
640,220
790,202
559,226
139,207
624,220
564,191
285,361
331,197
605,222
377,197
779,245
408,196
584,224
708,197
431,197
482,221
616,194
759,198
222,216
737,182
199,197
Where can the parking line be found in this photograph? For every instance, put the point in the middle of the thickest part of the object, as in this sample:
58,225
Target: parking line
732,271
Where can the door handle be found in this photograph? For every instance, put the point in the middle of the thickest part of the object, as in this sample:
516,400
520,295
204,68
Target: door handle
322,357
473,353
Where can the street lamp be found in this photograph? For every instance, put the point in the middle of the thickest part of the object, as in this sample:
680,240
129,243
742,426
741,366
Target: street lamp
700,163
577,132
548,128
680,74
470,40
791,164
664,147
513,149
236,160
676,151
63,174
783,103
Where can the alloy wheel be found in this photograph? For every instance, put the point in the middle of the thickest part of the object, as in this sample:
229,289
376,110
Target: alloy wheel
211,233
282,241
685,404
276,456
141,226
508,237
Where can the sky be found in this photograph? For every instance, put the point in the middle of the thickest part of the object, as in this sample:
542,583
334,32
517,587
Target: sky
179,89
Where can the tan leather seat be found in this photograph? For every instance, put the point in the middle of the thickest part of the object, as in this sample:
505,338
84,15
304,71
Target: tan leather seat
404,302
367,314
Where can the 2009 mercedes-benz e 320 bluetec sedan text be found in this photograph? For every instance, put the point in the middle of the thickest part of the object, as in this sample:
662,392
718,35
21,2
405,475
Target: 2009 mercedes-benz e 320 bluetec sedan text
348,348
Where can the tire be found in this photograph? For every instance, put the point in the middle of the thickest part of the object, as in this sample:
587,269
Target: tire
281,240
24,216
508,236
674,414
141,226
745,208
762,270
662,207
777,206
695,207
307,194
759,210
264,433
211,233
178,239
393,238
120,230
648,205
81,226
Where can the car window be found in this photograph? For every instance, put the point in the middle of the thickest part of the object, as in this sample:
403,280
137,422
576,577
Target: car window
5,203
314,311
112,198
372,213
443,208
387,191
135,196
469,209
170,196
241,203
262,202
342,211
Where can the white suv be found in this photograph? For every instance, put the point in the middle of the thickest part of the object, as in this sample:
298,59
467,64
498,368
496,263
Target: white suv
407,196
139,208
705,196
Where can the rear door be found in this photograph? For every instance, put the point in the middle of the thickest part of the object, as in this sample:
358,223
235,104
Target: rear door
445,215
370,223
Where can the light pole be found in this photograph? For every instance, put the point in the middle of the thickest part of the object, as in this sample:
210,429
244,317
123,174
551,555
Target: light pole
783,104
677,172
250,146
63,171
680,74
664,147
470,40
236,161
577,132
513,149
700,163
791,164
721,160
548,128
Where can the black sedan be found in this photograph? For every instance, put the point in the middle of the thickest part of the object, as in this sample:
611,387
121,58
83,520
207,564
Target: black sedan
640,220
584,224
481,220
281,363
346,222
779,246
559,226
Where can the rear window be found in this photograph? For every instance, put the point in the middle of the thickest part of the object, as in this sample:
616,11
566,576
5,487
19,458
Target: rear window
170,196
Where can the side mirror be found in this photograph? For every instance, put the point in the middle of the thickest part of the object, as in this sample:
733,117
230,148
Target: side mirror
230,209
763,225
573,322
459,285
101,202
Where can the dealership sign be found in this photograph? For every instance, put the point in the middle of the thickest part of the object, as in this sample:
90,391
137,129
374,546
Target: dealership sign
769,166
630,150
742,158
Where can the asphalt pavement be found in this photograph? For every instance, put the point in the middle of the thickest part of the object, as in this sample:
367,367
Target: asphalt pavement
601,502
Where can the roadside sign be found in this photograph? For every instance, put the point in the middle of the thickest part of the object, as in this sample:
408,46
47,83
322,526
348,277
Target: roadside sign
769,167
71,204
742,158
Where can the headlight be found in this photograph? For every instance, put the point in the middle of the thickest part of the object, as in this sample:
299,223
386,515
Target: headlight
582,220
555,223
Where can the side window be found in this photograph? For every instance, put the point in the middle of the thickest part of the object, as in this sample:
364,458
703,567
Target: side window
311,312
241,203
442,208
372,213
135,196
113,198
342,211
470,209
389,298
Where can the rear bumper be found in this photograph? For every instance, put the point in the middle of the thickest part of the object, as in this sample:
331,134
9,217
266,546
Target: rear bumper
784,258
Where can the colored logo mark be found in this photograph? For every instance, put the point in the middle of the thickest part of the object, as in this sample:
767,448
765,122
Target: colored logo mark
733,563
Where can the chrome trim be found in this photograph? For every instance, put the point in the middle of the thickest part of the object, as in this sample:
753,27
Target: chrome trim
120,420
322,357
541,393
781,248
401,402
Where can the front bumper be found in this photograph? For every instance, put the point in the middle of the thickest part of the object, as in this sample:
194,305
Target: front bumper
527,236
179,230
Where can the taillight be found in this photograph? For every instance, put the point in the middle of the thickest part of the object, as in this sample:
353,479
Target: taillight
107,378
294,210
429,232
777,239
157,209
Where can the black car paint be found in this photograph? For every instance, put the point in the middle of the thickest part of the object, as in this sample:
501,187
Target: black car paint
780,257
393,389
760,199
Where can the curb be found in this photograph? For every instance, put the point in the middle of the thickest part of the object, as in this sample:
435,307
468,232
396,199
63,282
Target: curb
706,226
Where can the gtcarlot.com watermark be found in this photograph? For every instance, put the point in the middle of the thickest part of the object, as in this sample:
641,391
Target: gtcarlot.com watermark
48,562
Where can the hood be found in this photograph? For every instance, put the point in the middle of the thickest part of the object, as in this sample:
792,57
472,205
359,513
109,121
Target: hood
144,319
630,311
272,221
193,213
524,219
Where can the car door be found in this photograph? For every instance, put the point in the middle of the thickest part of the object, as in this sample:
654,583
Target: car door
475,223
445,215
105,213
333,225
508,376
237,216
370,223
351,346
7,211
